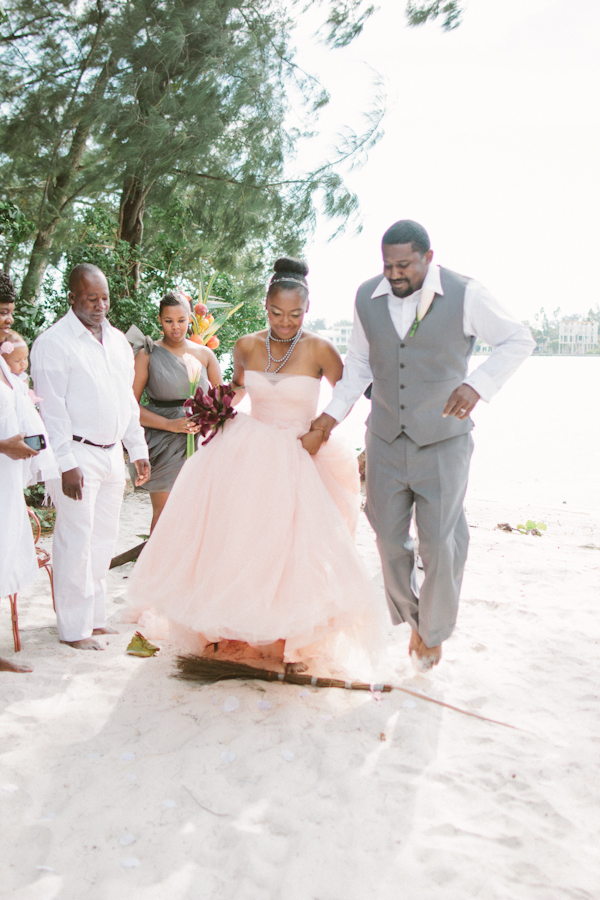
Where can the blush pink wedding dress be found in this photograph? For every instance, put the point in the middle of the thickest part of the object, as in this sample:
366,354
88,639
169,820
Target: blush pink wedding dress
256,541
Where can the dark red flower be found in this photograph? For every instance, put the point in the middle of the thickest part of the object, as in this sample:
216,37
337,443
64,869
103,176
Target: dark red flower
211,409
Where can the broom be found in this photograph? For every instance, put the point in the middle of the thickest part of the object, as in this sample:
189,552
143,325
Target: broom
207,671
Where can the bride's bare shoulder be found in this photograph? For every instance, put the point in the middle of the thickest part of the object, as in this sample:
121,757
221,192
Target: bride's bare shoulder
319,345
247,341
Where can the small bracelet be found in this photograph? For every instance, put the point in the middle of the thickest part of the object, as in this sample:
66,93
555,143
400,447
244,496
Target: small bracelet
322,430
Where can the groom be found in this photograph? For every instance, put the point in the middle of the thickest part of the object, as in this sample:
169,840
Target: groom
414,331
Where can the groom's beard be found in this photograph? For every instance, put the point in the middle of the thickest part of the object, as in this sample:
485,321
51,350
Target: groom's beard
404,289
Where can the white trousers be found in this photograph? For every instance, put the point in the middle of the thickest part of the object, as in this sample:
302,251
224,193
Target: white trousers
84,539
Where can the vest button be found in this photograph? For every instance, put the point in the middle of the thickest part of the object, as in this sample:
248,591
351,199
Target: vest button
401,365
401,387
403,345
402,406
402,427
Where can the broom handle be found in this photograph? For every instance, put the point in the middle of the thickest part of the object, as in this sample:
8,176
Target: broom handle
384,688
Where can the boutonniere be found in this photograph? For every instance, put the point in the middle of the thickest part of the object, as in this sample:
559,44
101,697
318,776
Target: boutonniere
422,309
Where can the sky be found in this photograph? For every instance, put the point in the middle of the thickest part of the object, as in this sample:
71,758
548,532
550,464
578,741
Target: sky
492,142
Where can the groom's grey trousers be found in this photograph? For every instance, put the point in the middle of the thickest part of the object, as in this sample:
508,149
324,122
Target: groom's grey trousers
433,478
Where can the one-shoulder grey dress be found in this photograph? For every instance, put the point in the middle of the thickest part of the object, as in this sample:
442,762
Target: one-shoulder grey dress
169,384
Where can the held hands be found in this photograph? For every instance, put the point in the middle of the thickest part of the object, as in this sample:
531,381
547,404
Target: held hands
320,429
15,447
183,426
311,441
461,402
142,467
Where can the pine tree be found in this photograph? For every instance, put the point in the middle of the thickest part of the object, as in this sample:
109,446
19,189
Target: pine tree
160,101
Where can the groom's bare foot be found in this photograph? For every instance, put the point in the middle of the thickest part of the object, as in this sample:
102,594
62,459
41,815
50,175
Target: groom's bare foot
295,668
6,665
84,644
105,630
423,658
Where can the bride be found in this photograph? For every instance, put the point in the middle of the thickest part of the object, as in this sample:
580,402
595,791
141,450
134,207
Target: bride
256,541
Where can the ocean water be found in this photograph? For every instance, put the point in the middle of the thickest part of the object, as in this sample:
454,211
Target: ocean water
537,443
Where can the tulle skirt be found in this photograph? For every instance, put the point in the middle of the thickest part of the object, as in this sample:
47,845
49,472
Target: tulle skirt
256,544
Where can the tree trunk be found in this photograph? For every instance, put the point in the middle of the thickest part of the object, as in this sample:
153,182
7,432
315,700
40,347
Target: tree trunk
131,220
38,262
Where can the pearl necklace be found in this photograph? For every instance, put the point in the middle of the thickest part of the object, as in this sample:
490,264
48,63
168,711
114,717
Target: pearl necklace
282,361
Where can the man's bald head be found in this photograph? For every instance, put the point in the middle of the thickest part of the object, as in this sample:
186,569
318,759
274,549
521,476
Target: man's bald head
83,271
89,296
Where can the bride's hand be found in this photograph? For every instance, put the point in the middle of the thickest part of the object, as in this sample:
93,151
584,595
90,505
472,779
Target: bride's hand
311,441
183,426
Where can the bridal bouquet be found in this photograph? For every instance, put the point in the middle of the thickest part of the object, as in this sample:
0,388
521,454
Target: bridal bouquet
211,410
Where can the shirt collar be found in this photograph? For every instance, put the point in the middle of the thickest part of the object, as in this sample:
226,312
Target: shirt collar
433,281
79,329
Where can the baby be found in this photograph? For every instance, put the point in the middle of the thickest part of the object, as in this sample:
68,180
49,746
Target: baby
15,352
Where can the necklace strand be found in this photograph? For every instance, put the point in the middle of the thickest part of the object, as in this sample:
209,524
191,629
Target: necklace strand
281,362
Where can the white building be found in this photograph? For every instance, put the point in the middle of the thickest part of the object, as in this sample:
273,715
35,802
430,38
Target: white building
339,335
577,336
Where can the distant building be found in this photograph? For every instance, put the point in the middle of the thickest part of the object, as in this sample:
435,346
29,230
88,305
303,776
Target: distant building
575,336
339,335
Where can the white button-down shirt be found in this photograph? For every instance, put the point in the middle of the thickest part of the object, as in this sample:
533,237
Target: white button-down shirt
86,388
483,318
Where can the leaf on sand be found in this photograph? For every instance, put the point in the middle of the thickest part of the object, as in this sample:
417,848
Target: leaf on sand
139,646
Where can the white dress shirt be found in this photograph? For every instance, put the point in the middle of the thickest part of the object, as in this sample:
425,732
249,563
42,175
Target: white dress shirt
483,318
86,388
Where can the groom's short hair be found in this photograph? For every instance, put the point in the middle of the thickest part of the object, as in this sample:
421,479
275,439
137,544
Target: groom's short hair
408,232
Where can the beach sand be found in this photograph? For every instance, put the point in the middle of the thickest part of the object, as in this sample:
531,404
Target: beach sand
118,781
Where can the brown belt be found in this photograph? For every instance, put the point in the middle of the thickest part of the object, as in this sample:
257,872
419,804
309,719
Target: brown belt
91,443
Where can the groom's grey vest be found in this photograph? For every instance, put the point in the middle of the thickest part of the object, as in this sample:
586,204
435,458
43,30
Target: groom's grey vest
414,376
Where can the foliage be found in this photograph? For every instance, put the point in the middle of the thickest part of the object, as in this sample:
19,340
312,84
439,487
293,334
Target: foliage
147,105
152,138
418,13
15,228
35,498
531,527
315,324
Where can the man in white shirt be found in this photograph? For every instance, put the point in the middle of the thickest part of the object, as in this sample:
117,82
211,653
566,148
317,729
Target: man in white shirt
82,369
414,331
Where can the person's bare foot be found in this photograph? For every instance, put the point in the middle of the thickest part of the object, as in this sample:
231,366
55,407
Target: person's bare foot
84,644
423,658
295,668
105,630
6,665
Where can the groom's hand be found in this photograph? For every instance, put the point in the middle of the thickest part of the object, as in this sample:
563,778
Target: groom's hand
461,402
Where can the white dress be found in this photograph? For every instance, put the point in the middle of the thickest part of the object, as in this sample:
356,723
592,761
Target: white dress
18,562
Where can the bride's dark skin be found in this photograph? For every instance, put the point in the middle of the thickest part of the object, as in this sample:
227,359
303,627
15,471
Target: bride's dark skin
313,356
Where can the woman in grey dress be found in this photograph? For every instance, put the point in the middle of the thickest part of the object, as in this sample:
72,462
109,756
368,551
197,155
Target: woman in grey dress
165,369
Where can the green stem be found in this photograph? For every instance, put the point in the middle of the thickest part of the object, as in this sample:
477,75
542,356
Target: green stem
191,445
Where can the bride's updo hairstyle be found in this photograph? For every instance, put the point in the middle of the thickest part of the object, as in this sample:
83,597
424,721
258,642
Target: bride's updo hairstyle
173,298
290,275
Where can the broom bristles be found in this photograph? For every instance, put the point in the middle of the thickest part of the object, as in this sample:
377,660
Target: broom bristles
209,670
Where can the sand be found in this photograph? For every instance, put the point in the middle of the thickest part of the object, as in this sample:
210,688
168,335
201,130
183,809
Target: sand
118,781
